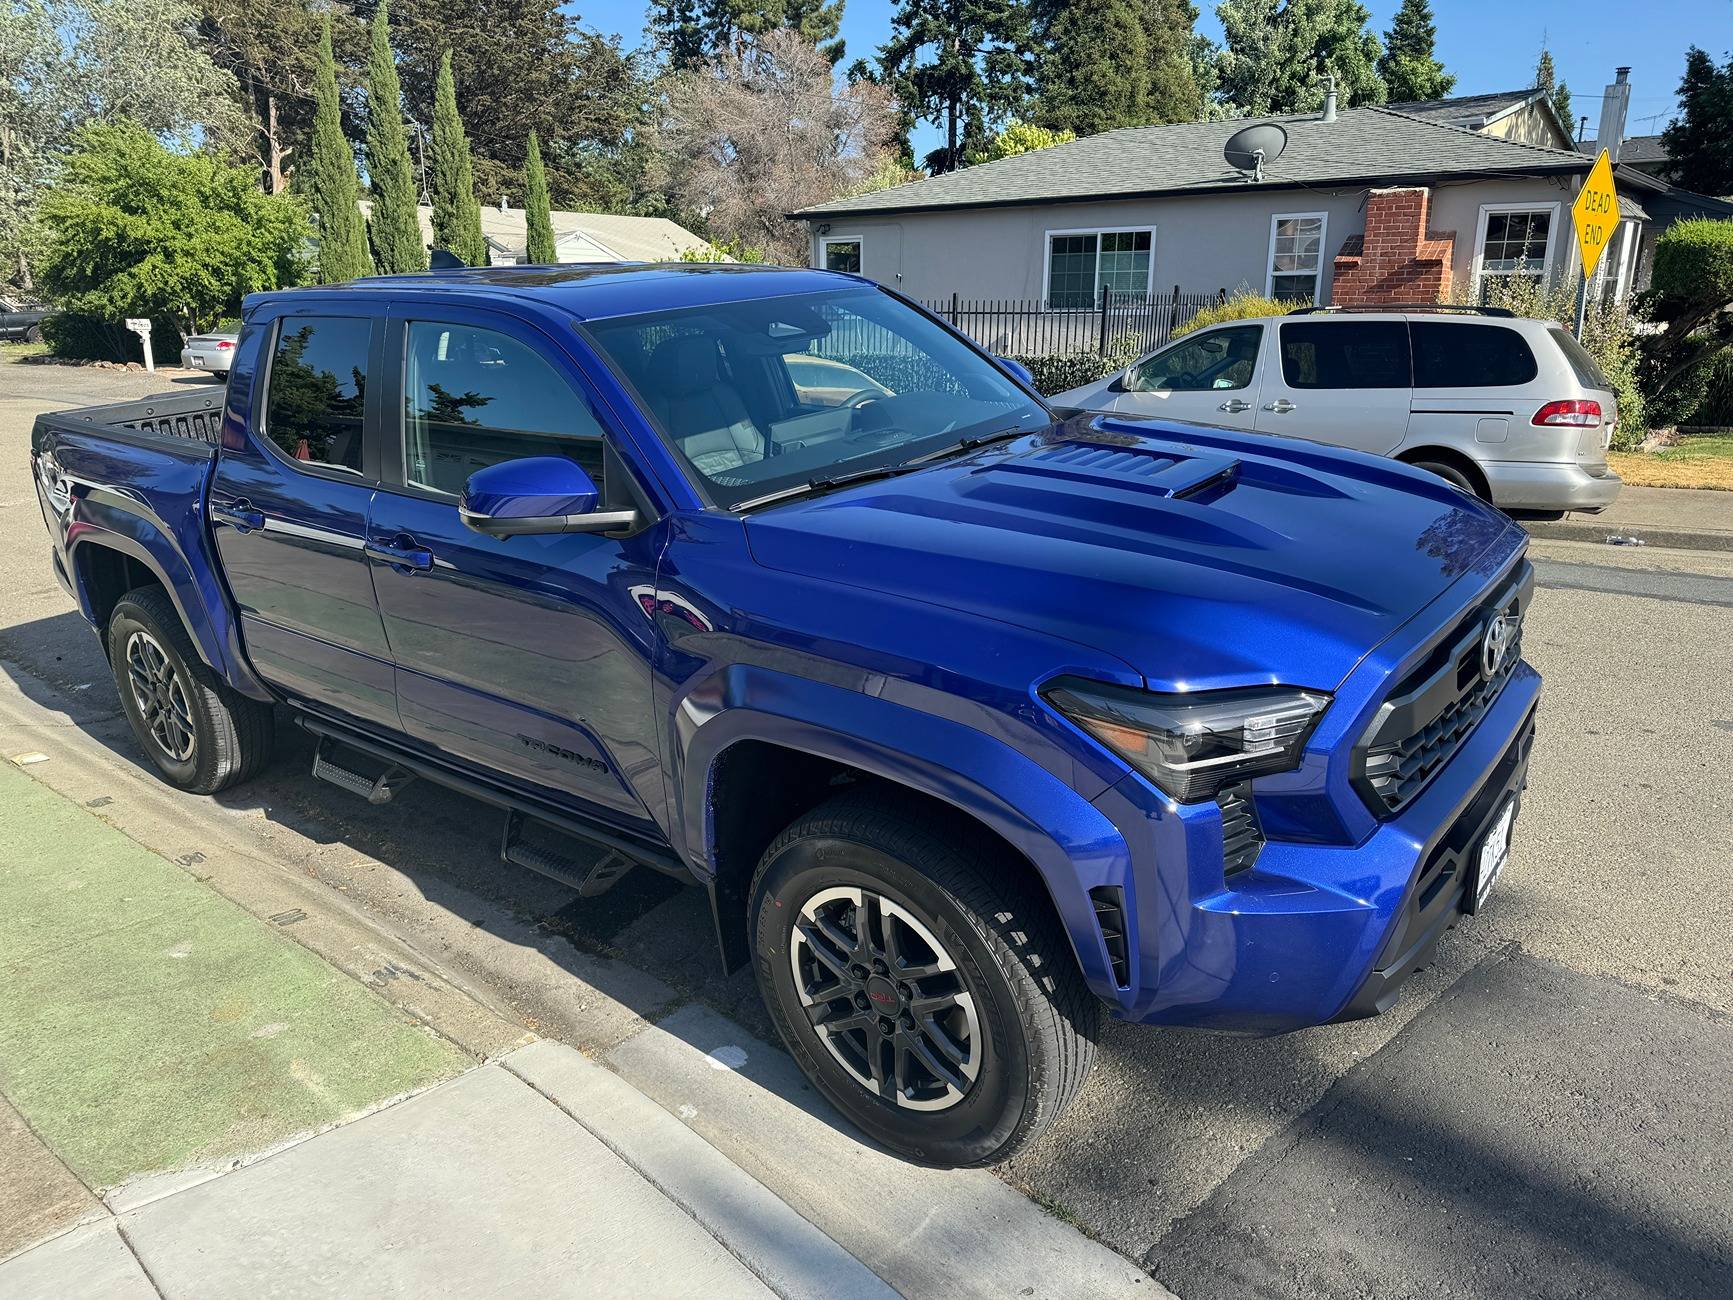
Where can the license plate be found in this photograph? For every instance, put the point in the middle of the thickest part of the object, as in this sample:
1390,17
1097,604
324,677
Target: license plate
195,359
1494,853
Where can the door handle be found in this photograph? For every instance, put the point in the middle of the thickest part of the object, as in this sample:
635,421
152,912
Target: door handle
1235,404
240,514
1281,406
401,553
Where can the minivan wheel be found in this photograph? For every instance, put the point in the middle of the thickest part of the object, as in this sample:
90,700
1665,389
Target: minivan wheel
932,999
1448,472
198,733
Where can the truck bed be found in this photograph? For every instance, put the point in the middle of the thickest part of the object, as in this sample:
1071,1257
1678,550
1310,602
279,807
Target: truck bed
195,417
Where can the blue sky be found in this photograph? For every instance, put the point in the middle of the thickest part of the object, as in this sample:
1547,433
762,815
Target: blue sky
1489,44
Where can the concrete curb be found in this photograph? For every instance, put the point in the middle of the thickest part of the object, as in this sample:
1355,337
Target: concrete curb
1593,530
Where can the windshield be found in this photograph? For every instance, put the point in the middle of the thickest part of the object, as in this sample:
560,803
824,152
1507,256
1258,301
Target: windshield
778,393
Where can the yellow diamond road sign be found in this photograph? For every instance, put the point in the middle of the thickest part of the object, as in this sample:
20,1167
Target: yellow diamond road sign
1596,213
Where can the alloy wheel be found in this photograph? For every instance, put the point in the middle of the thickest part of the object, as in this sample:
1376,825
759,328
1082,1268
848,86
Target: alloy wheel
161,696
885,998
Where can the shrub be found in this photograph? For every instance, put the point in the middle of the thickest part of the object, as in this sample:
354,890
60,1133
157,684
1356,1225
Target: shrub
1694,263
1702,394
1064,370
1242,306
80,337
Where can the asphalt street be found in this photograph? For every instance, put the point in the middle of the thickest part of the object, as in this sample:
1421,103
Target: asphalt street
1546,1112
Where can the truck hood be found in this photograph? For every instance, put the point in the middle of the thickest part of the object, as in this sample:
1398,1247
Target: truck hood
1200,556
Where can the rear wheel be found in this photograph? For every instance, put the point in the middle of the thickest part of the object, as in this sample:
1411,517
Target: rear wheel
201,735
923,990
1450,474
33,334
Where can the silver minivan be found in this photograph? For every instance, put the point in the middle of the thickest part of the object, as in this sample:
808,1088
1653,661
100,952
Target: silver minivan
1511,409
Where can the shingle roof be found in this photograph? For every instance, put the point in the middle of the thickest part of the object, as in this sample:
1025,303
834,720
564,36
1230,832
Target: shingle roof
1471,111
1635,149
1379,146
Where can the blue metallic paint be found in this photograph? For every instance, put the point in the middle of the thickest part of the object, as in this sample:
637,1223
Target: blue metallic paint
533,488
905,627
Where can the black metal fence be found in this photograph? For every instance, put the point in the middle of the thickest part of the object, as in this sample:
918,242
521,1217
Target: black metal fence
1113,322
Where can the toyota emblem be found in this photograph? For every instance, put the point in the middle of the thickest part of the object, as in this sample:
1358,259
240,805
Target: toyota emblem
1495,645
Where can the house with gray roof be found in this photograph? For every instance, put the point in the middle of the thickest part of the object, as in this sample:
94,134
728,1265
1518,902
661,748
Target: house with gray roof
1369,205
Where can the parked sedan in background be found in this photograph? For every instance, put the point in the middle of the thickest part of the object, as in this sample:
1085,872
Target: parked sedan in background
20,321
212,352
1512,410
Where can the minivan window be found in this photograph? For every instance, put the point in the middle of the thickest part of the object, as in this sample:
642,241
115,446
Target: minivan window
1588,371
317,390
1452,354
1346,354
1220,359
475,397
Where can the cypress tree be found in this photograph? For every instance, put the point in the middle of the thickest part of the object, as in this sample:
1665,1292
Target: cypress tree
1545,78
331,175
540,224
393,229
1409,64
456,214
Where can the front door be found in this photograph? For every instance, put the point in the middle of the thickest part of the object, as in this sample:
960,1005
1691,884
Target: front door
1341,380
1210,377
528,655
289,503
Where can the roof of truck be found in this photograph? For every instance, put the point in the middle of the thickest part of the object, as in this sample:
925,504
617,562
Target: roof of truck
593,292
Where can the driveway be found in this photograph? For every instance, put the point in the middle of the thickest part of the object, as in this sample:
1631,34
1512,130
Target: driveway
1546,1112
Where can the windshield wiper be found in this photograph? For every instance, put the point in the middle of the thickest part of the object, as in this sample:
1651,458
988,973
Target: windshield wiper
967,444
829,483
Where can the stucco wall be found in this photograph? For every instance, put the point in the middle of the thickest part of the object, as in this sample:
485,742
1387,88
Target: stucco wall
1201,244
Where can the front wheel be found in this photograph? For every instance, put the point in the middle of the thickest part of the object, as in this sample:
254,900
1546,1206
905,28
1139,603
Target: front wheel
925,989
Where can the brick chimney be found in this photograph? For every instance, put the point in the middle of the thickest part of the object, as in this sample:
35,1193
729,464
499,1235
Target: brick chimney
1398,259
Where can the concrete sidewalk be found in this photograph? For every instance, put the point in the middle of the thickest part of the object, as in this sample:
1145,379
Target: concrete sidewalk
1689,518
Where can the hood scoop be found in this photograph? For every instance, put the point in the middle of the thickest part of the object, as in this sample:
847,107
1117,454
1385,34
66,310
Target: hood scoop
1162,473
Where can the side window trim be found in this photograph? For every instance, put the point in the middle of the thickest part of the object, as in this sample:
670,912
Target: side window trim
1177,344
372,409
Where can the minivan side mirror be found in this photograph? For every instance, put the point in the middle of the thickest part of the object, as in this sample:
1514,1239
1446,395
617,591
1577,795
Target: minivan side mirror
538,494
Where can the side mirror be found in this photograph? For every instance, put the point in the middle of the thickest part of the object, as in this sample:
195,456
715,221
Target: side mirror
539,494
1017,370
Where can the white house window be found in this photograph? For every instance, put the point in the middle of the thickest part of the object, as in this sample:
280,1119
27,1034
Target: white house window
842,254
1081,263
1296,256
1515,244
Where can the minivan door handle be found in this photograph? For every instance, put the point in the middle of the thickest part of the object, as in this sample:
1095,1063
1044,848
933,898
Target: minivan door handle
240,514
1281,406
1235,404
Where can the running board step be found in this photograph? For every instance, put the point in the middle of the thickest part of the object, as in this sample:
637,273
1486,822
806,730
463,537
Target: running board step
375,790
589,880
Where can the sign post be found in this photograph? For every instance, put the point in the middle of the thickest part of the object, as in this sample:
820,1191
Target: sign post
140,325
1596,216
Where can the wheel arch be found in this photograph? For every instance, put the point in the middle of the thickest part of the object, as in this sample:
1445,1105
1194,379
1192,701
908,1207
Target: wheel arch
1457,460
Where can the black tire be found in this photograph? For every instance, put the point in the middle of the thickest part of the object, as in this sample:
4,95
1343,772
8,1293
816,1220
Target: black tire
1450,474
33,334
1029,1024
227,736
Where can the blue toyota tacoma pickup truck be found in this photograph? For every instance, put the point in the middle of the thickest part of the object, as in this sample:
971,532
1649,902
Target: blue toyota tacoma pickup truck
975,724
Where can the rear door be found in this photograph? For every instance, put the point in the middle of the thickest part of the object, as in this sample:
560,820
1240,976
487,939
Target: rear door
1210,377
530,655
1343,380
289,503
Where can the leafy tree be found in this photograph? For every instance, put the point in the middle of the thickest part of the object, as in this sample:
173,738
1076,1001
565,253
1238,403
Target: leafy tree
1277,53
138,229
456,213
1698,140
961,65
334,189
66,63
1114,63
690,32
1019,137
393,228
539,224
758,134
1545,78
1409,65
1175,94
1692,291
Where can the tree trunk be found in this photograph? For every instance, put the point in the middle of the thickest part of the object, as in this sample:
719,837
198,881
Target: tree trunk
276,152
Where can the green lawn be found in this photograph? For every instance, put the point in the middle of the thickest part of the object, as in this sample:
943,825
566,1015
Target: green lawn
13,351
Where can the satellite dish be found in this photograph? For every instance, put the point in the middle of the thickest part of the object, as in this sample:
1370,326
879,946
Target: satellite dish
1249,148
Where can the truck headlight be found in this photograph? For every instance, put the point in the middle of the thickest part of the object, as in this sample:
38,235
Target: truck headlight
1193,745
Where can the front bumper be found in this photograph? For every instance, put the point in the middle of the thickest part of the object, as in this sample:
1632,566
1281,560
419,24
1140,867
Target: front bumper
1541,485
1314,932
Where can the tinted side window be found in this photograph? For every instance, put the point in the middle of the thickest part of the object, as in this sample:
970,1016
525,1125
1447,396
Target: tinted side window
1346,354
317,389
1587,369
475,398
1452,355
1220,359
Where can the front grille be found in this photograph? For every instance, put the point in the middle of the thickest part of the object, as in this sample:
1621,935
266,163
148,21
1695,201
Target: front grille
1439,704
1242,835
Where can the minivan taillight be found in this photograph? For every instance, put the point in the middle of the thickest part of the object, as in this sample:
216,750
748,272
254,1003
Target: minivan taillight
1579,413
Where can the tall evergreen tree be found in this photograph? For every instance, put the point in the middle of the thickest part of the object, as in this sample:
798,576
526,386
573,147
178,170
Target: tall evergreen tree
537,220
1700,157
334,188
456,213
392,229
1409,65
962,65
1545,78
692,32
1113,63
1277,52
